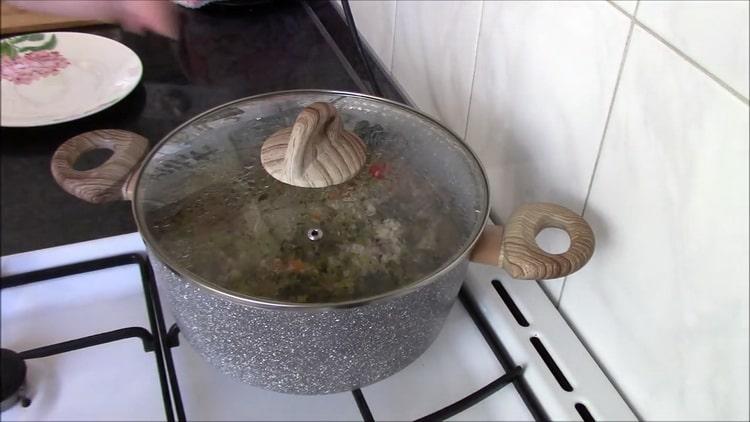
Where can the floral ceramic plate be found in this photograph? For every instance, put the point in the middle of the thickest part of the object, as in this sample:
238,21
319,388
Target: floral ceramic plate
55,77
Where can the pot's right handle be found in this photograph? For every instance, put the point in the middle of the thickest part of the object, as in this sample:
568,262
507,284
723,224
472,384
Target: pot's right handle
514,246
111,181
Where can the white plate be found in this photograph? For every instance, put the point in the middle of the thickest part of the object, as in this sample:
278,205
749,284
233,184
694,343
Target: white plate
73,76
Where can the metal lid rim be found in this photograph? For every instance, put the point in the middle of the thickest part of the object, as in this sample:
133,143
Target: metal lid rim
272,304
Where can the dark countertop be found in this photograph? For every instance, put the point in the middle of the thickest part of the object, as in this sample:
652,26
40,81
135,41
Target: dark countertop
226,52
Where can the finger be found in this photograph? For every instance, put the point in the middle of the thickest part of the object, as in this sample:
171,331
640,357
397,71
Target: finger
154,16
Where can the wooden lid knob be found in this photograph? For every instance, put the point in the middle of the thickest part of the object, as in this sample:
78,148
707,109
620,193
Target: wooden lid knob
315,152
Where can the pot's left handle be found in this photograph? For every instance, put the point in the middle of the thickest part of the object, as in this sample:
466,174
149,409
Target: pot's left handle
111,181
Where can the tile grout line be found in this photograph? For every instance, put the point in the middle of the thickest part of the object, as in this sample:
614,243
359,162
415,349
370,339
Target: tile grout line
690,60
618,7
563,314
473,75
604,131
391,73
393,39
680,53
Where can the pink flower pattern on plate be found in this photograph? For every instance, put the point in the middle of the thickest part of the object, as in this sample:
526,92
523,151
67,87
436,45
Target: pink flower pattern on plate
25,69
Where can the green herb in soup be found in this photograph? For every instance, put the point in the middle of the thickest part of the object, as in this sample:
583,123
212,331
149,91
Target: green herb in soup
254,235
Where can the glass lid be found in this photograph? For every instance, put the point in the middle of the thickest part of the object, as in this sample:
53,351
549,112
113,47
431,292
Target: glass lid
310,198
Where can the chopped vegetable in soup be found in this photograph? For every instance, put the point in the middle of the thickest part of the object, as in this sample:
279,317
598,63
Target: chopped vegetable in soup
254,235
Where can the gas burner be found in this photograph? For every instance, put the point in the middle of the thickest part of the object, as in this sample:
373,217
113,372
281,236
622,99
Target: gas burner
13,371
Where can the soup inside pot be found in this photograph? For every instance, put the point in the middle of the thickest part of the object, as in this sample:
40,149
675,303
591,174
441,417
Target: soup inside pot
391,225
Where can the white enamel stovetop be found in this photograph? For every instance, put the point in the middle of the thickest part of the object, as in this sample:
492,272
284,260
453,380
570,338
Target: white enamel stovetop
118,381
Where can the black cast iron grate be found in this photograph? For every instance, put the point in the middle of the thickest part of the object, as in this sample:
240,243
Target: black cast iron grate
151,342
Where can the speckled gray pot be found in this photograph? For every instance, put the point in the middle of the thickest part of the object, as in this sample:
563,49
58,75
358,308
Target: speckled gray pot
306,351
311,348
293,347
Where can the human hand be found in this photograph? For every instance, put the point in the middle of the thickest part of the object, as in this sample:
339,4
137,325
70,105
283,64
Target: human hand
157,16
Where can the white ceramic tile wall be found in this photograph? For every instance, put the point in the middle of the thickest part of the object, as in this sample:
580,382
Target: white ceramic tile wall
537,115
626,5
664,302
664,305
433,56
375,21
713,33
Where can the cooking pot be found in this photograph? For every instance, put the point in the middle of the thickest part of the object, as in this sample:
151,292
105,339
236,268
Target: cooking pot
314,241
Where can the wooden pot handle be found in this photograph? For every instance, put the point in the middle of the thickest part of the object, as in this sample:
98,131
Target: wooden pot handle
514,246
111,181
315,152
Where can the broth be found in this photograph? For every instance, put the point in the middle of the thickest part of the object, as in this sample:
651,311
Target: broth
249,233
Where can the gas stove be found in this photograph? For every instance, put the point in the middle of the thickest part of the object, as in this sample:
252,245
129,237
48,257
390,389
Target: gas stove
85,336
85,332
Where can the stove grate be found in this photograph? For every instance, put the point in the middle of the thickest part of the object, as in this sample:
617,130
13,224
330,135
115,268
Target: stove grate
151,343
164,340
